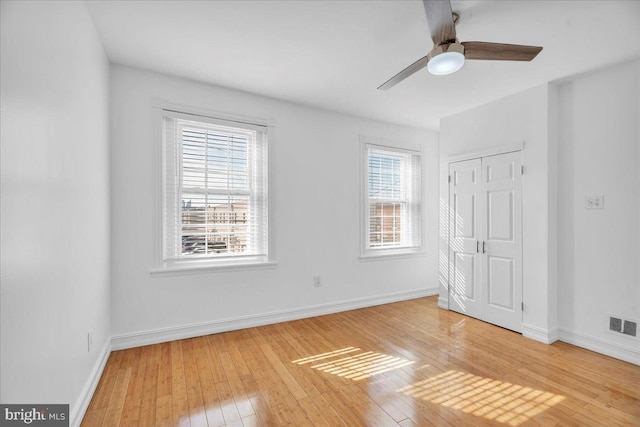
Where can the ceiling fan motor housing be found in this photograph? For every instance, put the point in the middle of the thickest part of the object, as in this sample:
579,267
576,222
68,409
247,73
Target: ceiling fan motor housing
446,47
446,58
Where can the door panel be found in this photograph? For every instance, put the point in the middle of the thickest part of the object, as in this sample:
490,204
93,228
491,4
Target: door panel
485,253
500,282
465,175
464,206
502,263
464,268
500,215
498,172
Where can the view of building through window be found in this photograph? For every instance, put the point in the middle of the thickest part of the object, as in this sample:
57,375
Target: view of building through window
386,199
214,228
385,224
215,191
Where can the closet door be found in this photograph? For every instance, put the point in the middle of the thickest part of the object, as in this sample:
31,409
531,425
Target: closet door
502,240
464,239
485,239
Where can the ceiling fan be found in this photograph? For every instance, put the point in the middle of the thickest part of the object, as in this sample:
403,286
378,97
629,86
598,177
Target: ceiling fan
448,54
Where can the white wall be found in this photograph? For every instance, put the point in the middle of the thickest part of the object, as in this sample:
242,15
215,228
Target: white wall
55,202
523,117
316,181
599,249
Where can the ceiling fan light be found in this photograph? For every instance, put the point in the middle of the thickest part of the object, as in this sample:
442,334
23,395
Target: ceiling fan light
445,63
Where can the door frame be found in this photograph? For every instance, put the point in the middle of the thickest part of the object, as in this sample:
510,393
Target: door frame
490,151
478,154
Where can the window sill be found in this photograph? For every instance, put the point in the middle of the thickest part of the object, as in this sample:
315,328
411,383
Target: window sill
388,256
205,269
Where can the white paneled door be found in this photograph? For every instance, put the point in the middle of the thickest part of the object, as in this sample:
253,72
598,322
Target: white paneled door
485,251
465,237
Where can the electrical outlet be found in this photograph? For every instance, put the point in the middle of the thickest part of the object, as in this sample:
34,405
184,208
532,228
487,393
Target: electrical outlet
89,341
317,282
594,202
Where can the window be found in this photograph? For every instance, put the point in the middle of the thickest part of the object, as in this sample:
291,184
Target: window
392,200
215,204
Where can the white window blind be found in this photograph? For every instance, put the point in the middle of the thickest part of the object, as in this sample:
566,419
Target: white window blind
393,199
215,190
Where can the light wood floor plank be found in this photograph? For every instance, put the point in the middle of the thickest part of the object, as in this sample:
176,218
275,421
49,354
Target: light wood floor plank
195,401
164,372
180,406
229,409
107,381
240,397
149,394
163,411
404,364
137,362
94,417
113,414
211,400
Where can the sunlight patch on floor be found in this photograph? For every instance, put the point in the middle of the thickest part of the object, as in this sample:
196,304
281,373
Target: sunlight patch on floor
327,355
491,399
354,366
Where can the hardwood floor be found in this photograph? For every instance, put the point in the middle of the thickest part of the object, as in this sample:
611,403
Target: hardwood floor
401,364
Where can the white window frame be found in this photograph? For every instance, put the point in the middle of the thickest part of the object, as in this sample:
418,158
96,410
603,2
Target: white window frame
407,250
162,267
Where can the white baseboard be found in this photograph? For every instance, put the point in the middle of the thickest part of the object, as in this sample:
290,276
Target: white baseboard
78,410
618,351
155,336
545,336
443,302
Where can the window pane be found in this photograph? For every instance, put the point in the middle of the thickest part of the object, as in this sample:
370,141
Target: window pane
227,165
385,224
215,164
214,224
385,176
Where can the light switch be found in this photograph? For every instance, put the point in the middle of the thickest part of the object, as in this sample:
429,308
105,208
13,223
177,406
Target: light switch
594,202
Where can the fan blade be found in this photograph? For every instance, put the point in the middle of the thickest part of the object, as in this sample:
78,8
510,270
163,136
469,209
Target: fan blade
499,51
416,66
440,20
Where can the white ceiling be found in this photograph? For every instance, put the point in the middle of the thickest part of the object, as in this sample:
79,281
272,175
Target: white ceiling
334,54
